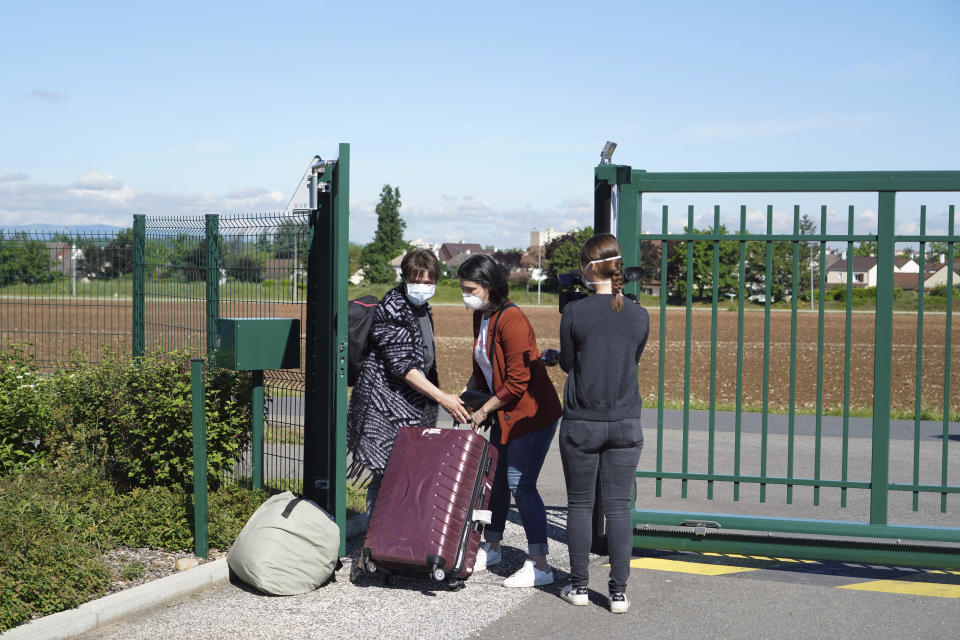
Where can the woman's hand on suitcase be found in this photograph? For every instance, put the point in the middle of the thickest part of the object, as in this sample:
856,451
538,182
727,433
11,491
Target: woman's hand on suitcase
454,406
478,418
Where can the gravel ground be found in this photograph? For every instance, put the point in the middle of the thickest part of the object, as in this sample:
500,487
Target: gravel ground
132,567
412,608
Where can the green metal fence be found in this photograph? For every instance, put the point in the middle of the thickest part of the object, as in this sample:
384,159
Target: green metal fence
827,461
189,272
162,285
165,282
65,292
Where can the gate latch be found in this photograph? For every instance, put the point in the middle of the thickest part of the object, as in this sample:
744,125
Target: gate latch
700,526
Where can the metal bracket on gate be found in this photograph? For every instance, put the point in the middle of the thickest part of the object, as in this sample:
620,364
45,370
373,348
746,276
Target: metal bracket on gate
700,526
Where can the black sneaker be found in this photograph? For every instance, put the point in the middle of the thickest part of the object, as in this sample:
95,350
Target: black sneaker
619,603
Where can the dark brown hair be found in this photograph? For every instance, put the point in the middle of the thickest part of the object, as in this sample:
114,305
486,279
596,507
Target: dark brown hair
600,247
418,261
484,270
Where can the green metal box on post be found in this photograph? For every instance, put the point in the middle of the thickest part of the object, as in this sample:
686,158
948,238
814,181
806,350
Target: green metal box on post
255,344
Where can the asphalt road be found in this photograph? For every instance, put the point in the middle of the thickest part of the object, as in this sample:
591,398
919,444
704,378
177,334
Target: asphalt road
672,594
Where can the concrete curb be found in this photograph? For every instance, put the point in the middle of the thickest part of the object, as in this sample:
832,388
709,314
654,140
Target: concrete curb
103,611
95,613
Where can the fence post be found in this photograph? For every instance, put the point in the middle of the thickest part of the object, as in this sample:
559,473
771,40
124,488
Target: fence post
325,395
139,283
200,537
212,263
628,231
257,428
882,359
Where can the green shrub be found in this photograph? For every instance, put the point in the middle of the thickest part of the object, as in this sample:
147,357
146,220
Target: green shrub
24,410
57,520
155,517
140,412
862,296
230,507
50,542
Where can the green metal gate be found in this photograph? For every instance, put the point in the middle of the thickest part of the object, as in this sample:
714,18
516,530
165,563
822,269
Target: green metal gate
619,192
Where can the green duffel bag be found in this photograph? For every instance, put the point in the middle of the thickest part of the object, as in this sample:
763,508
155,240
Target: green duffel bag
288,546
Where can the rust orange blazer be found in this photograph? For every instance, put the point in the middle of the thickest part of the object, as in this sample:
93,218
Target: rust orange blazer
519,378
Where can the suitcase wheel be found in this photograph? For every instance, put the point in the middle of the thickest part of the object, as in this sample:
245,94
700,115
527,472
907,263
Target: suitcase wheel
455,584
370,566
438,574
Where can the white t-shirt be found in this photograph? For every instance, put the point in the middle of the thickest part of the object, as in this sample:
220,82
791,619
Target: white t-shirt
482,354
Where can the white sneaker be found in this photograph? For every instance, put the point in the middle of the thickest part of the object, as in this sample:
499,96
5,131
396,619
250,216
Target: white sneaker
575,595
619,603
486,557
529,576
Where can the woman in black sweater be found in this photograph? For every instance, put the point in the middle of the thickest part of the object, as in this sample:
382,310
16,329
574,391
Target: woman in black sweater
601,340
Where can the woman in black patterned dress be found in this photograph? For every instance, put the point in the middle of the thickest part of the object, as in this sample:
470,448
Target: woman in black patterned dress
398,385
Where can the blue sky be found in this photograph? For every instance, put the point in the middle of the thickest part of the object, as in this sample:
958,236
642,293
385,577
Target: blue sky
488,116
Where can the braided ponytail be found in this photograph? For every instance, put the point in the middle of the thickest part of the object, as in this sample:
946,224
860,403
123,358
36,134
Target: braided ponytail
616,279
603,250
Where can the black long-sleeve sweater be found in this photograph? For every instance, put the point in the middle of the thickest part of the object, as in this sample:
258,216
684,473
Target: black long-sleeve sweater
600,349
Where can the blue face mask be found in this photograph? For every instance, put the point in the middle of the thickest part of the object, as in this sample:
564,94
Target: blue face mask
418,294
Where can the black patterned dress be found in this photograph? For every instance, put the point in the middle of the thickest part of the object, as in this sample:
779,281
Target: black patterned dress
382,401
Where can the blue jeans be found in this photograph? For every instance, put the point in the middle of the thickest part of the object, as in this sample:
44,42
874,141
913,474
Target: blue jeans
612,449
518,467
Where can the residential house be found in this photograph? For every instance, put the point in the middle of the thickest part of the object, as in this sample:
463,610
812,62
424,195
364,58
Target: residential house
864,272
395,265
906,273
449,250
420,243
903,264
939,276
64,257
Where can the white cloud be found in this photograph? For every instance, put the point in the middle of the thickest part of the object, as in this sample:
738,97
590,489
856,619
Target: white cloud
99,197
469,219
48,95
97,181
13,177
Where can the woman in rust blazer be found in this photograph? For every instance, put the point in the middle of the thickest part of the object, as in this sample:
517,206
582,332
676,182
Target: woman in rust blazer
525,409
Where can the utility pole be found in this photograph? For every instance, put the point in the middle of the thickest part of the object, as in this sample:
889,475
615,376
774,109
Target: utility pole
539,272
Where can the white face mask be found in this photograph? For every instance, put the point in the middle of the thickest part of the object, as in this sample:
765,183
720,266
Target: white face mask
588,283
418,294
476,303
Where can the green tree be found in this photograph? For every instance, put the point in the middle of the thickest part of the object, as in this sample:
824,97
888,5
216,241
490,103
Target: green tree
727,278
563,253
111,260
355,251
935,250
23,259
650,259
290,236
866,248
809,253
388,240
781,271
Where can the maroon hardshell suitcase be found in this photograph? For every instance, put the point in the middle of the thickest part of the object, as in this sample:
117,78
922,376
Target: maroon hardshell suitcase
432,505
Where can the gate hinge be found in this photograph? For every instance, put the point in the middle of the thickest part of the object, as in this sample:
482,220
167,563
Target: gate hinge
700,526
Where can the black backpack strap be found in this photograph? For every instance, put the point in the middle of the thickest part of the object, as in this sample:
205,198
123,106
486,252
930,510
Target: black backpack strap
289,508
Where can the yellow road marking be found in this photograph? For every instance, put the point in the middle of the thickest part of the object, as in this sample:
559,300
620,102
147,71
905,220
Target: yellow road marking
908,588
676,566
